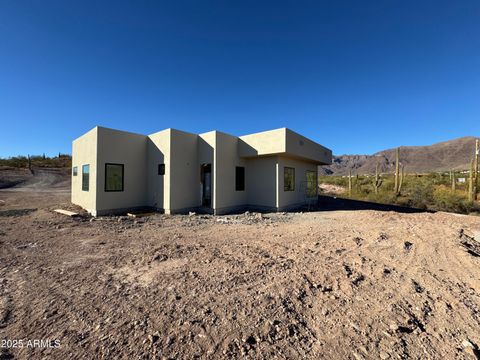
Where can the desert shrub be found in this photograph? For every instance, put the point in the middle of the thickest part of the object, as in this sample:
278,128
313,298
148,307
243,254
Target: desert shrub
60,161
383,197
445,200
419,193
426,191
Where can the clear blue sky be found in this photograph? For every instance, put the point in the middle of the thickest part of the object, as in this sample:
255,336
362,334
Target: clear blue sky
356,76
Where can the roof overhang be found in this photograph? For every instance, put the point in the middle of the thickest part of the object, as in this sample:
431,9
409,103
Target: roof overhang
283,142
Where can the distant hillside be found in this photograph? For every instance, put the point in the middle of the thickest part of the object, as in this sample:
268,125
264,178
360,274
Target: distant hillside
453,154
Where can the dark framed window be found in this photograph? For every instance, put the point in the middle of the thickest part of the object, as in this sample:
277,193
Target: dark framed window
240,178
288,179
74,171
85,177
161,169
114,177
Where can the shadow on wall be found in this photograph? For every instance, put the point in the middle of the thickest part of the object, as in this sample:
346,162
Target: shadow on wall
246,150
329,203
206,171
155,158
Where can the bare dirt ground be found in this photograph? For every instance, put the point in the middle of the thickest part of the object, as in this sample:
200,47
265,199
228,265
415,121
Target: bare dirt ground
333,285
39,179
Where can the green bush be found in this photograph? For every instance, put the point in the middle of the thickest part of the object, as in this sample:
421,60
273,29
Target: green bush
419,192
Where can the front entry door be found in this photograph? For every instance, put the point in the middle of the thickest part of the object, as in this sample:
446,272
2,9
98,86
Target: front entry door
206,178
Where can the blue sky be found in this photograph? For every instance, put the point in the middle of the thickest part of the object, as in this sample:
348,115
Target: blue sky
356,76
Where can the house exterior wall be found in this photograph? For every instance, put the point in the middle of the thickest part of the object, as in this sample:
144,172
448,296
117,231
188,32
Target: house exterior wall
300,146
226,161
287,199
261,179
158,149
125,148
84,151
184,172
263,156
207,155
264,143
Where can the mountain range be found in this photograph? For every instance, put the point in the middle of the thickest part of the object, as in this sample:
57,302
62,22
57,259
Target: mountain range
443,156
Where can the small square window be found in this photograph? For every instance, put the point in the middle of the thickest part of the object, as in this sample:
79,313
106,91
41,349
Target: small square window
288,179
75,171
113,177
161,169
240,178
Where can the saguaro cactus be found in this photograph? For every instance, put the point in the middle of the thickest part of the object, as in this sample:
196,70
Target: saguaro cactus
397,171
470,182
377,182
400,181
349,182
475,171
454,182
29,163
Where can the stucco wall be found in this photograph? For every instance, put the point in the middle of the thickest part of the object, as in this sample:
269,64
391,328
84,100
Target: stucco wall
290,198
183,153
226,161
84,151
130,150
158,149
263,143
283,141
298,145
261,181
206,155
184,172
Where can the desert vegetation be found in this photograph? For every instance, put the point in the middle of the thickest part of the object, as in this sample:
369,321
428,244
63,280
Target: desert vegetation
433,191
29,161
455,191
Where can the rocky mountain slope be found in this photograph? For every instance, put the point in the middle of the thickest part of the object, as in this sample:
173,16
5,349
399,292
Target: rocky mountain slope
448,155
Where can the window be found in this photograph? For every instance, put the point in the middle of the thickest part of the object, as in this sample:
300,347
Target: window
311,188
113,177
85,177
240,178
288,179
75,171
161,169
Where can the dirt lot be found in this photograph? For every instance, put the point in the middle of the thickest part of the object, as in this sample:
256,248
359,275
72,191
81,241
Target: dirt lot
37,179
333,285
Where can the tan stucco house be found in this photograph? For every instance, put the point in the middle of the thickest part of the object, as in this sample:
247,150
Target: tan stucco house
175,171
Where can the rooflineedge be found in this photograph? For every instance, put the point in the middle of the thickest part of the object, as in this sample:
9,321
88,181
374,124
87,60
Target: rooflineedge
280,141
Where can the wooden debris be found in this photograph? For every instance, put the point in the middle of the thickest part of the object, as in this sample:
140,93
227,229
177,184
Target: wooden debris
66,212
138,215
